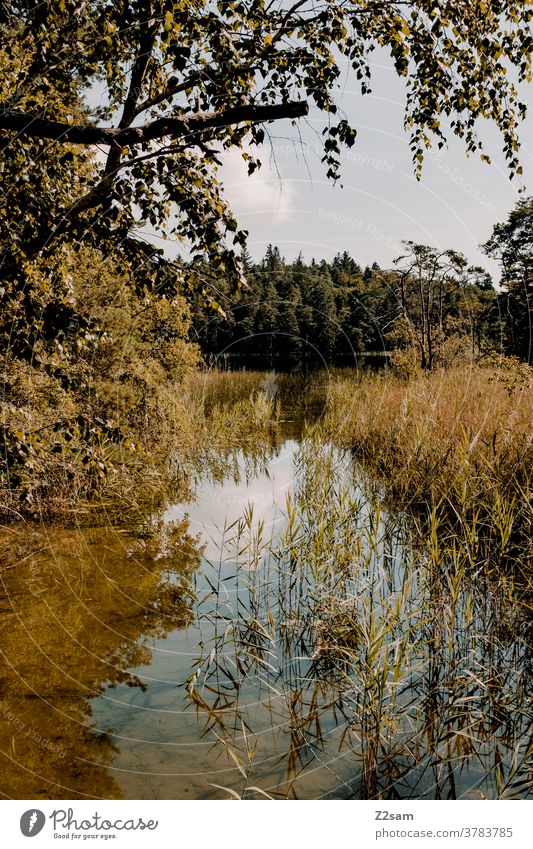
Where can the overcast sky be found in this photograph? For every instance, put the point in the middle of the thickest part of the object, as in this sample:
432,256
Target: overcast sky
456,203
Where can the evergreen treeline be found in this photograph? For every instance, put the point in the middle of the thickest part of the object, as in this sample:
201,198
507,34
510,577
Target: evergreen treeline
298,314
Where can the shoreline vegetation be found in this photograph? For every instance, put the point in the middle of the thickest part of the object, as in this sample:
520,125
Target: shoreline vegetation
455,442
458,439
106,401
394,606
453,446
135,479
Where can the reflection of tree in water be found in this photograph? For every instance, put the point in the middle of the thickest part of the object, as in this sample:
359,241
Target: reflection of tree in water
74,605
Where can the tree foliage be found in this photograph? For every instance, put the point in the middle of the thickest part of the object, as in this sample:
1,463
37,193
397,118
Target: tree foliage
167,85
85,411
512,244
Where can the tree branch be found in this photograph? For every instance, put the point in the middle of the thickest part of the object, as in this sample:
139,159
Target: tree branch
140,66
146,45
30,126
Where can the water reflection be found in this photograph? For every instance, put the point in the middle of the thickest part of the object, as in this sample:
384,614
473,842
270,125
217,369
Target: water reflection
79,608
260,482
281,635
383,668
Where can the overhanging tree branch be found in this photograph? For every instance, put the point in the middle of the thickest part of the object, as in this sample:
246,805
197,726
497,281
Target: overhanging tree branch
30,126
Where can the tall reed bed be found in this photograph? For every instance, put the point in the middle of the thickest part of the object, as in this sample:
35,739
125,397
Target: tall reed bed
365,643
296,393
452,445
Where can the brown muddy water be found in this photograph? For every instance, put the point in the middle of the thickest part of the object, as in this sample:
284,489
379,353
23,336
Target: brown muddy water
281,635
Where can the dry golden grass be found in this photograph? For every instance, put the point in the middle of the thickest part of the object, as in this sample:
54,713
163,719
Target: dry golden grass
459,440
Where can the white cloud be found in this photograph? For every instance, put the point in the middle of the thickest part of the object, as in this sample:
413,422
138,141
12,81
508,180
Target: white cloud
262,194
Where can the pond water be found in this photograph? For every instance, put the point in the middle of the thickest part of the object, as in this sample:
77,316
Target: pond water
280,635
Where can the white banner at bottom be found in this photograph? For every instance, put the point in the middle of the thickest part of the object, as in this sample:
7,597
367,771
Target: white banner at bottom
313,825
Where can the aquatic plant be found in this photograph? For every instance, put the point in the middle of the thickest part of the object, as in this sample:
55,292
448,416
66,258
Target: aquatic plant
365,637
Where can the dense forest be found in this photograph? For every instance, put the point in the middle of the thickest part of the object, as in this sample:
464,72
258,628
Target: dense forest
432,304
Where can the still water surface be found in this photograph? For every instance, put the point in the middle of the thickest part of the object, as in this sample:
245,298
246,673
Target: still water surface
188,660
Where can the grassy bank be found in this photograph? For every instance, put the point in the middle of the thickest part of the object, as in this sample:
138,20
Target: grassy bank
84,466
453,446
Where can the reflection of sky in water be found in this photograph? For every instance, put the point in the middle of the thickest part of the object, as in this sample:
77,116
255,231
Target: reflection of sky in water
110,641
219,505
133,657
